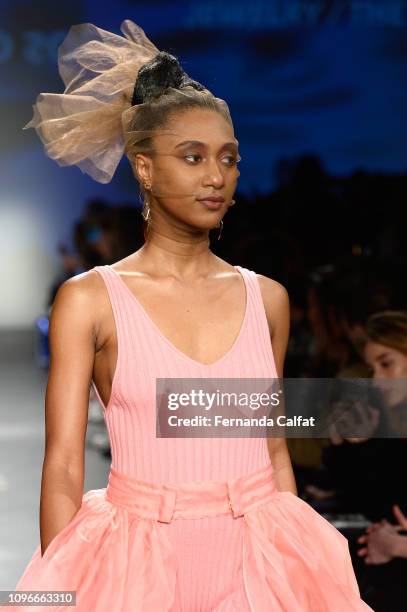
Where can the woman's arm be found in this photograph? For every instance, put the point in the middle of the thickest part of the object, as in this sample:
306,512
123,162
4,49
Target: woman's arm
277,307
72,346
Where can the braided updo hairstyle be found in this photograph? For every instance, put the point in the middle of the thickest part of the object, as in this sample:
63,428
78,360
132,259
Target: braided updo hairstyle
155,90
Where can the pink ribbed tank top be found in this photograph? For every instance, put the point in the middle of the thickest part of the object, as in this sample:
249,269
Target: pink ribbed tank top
144,354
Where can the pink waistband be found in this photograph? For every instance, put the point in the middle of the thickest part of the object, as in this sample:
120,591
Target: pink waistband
196,499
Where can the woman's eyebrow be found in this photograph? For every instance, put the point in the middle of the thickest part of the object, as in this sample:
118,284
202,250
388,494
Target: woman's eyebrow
202,144
383,355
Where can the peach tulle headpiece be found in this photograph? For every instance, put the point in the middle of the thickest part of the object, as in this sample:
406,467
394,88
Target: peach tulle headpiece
83,125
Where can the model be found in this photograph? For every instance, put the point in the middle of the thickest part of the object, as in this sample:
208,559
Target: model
184,524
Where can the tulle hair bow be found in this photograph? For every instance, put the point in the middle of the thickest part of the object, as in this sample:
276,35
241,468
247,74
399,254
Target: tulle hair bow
83,125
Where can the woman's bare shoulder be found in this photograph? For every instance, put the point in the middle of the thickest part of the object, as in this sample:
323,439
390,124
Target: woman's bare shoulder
275,298
272,288
84,298
82,302
81,288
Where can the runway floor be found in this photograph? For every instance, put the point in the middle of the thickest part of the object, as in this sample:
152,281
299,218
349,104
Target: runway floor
22,390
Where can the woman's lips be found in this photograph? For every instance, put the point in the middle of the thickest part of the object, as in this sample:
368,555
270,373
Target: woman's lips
212,204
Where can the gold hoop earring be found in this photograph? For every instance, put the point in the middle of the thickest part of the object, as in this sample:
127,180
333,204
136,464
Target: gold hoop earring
221,228
145,213
146,206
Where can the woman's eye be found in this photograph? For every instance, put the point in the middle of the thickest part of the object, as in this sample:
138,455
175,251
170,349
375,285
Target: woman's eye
234,159
386,364
192,155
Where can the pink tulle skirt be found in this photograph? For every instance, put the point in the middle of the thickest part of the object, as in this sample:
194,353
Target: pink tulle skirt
128,549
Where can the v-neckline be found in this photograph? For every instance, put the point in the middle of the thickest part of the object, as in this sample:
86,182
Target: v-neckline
171,344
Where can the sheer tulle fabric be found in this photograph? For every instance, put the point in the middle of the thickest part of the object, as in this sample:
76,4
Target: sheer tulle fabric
90,124
116,560
82,126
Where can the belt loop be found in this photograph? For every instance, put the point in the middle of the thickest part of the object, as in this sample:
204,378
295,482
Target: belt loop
234,499
168,497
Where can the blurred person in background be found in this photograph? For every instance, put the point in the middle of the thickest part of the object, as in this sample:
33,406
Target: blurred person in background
384,545
365,472
346,298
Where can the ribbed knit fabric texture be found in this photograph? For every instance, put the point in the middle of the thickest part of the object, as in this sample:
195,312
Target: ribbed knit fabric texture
145,354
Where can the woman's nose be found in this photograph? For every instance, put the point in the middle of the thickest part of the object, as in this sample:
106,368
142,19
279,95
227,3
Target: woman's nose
380,382
213,174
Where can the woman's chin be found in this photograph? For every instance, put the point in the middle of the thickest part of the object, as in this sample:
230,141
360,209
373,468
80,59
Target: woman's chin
208,224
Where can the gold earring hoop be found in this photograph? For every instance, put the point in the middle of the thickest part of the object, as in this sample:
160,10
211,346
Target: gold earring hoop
146,206
221,228
145,213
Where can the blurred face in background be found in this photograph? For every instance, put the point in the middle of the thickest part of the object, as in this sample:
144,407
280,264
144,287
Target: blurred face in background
388,365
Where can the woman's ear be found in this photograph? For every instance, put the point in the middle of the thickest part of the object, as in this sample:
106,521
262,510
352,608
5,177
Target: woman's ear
142,168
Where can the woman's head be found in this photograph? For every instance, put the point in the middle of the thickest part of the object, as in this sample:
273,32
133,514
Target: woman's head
385,351
180,141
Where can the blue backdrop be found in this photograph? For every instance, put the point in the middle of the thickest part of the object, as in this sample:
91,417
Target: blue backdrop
318,76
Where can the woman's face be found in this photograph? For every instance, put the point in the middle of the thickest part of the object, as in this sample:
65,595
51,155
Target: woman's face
387,365
197,160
